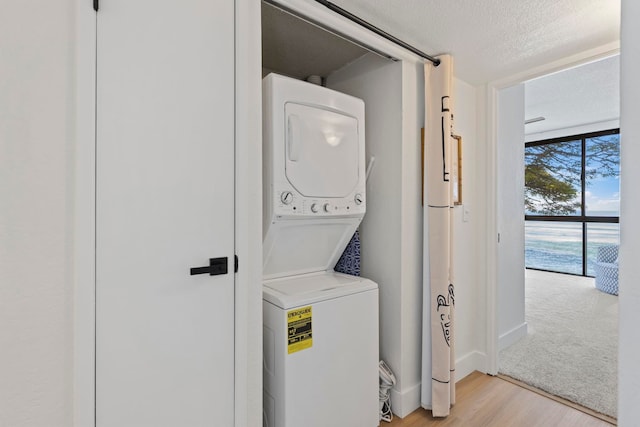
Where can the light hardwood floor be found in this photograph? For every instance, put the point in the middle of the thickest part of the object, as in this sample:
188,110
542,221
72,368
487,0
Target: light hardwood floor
486,401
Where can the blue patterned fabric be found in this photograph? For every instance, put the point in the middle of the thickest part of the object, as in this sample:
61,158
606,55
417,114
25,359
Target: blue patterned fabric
349,262
606,269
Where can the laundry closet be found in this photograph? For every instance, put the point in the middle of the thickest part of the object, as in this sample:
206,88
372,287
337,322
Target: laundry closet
305,41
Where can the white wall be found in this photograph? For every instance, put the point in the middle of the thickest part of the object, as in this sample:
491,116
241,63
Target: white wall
382,221
629,354
469,287
36,228
391,230
510,194
483,232
412,232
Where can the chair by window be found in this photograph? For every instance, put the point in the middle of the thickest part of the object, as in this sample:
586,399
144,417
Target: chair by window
606,269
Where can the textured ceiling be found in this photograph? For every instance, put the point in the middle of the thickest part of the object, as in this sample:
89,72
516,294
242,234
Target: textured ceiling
575,97
494,39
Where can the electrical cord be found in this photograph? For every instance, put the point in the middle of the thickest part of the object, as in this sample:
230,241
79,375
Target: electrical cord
387,381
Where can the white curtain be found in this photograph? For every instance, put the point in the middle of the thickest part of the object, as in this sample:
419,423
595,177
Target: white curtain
438,378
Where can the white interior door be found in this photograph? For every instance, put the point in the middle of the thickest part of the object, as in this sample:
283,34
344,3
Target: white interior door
165,198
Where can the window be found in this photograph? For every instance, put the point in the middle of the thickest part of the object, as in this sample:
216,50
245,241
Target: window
572,200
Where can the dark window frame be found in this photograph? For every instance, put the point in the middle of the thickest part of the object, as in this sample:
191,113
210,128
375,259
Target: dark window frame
582,218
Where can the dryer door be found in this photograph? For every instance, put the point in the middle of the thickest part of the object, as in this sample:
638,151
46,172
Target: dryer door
322,151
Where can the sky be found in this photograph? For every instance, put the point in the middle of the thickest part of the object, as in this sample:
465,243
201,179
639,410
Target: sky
603,194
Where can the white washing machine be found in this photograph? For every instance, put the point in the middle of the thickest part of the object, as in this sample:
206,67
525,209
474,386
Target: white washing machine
320,327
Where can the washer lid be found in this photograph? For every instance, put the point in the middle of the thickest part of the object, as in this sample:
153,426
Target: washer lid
294,291
322,156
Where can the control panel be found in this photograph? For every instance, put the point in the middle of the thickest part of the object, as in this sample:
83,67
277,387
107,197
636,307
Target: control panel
288,202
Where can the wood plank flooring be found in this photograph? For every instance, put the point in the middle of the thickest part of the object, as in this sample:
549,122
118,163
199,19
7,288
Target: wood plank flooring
486,401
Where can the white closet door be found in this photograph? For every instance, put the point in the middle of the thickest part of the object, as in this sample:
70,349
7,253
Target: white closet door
165,197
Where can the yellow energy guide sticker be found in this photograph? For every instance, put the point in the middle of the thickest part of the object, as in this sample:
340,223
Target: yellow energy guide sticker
299,329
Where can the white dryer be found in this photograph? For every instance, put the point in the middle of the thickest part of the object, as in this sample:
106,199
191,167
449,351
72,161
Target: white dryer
320,327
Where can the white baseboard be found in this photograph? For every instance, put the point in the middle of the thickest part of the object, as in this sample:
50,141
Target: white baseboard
405,402
512,336
473,361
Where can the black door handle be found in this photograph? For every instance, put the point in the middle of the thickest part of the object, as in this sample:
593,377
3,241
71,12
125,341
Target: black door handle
216,266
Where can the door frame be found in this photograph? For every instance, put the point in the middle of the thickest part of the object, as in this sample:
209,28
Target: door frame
491,226
248,223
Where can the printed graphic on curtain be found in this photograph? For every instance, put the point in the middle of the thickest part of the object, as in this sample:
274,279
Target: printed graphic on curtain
438,340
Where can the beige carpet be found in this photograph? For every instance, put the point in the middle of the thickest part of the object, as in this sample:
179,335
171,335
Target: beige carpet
571,349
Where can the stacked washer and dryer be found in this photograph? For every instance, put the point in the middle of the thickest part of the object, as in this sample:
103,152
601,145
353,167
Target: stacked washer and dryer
320,327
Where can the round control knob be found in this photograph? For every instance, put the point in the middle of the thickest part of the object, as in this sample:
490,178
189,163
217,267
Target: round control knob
314,208
326,207
358,199
286,197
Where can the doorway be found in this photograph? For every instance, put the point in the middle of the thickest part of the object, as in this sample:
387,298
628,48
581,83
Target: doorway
580,106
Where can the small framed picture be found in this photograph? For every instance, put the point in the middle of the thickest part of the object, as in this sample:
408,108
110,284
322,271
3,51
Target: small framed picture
456,169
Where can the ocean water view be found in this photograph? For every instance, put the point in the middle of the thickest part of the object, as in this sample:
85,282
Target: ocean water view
557,246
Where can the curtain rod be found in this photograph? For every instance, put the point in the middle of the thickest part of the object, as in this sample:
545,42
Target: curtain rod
377,30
